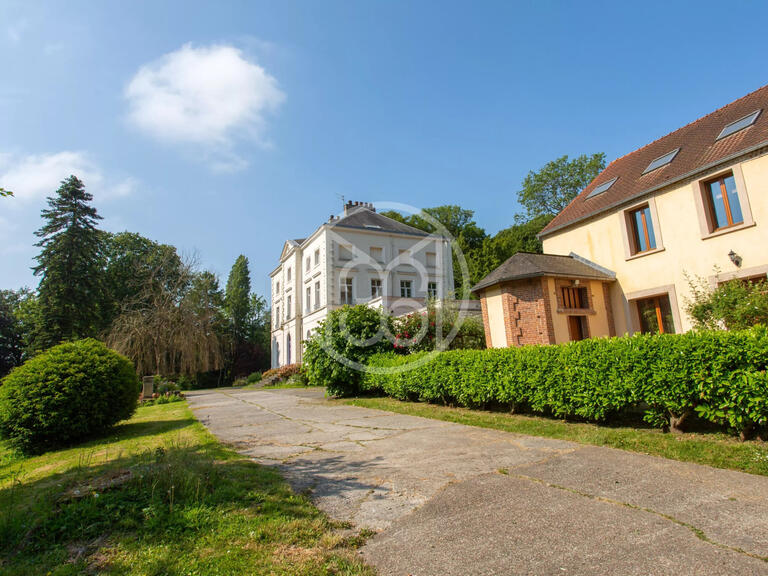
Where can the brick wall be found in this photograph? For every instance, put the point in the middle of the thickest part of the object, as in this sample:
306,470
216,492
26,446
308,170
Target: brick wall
486,324
527,313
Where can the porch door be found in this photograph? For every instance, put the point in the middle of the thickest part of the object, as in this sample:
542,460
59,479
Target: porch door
577,327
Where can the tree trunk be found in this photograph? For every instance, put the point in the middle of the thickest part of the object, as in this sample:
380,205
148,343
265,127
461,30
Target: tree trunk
676,422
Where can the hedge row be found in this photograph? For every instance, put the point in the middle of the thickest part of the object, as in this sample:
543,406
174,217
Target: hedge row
717,374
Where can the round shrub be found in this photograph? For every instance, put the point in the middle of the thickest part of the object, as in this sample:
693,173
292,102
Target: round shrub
67,394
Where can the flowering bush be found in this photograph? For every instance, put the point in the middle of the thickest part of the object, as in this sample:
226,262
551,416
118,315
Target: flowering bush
433,330
275,375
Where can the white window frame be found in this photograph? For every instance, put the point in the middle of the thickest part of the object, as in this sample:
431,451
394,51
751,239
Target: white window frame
317,295
346,288
288,307
406,288
432,290
377,288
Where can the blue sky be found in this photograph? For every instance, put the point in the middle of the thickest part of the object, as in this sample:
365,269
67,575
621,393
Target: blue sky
225,127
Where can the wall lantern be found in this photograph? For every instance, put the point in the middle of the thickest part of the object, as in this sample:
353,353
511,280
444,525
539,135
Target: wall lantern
735,258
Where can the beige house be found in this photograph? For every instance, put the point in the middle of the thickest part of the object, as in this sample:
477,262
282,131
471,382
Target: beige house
360,257
691,204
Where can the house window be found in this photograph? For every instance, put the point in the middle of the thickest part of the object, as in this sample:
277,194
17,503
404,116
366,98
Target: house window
346,291
431,258
432,290
578,328
307,264
288,275
376,288
317,295
308,301
377,254
656,315
641,225
317,257
574,297
288,308
405,288
277,288
277,316
723,202
345,252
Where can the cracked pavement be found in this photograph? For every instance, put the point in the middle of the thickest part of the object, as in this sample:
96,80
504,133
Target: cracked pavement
448,499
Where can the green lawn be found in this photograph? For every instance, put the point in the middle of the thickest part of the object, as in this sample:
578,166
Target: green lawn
713,449
160,496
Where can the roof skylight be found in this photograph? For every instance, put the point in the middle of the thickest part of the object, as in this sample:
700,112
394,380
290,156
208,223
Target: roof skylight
602,187
739,124
661,161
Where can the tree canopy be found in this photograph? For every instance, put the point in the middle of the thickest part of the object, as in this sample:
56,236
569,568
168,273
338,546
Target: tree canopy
549,190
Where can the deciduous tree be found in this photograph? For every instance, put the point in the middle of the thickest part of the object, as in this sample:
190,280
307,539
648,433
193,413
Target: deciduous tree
550,189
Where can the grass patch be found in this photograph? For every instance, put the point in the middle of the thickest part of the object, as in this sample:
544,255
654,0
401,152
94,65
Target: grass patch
160,496
711,448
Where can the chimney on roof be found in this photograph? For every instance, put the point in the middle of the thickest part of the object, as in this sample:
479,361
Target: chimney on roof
357,204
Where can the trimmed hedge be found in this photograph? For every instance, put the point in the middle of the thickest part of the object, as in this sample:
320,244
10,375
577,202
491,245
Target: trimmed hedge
719,375
67,394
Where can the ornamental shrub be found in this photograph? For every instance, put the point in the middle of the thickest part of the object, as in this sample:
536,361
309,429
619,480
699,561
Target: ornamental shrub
276,375
718,375
67,394
341,345
735,304
429,330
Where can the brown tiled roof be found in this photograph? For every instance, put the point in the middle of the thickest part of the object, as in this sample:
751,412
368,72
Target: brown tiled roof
699,150
528,265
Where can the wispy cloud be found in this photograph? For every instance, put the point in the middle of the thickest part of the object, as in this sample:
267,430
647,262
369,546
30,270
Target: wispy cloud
208,97
35,176
15,31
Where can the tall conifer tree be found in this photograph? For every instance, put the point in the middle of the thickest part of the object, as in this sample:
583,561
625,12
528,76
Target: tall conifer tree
237,298
70,266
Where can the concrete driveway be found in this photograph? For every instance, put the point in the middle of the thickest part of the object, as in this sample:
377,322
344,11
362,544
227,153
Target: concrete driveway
448,499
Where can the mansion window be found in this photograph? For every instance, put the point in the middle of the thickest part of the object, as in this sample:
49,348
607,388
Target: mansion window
317,257
574,297
346,291
406,290
345,252
722,202
307,264
317,295
377,254
308,301
431,258
288,275
288,308
642,236
376,288
432,290
656,315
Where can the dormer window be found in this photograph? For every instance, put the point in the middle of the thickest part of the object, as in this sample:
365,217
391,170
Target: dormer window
661,161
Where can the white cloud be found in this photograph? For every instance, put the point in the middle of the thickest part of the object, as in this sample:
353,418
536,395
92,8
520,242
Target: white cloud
207,96
36,176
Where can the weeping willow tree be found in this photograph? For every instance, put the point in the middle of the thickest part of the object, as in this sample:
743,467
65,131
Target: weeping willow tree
174,322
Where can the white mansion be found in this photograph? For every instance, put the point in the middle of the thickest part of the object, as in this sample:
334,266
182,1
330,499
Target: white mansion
360,257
